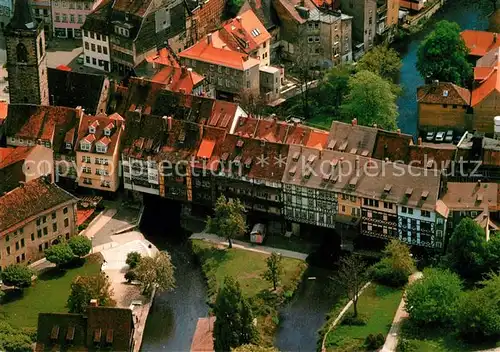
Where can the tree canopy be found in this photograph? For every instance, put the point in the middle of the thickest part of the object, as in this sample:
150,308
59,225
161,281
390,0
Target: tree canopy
254,348
156,272
371,100
59,254
14,340
383,61
352,277
274,269
442,55
228,220
133,259
17,275
434,299
467,249
396,265
233,325
80,245
85,288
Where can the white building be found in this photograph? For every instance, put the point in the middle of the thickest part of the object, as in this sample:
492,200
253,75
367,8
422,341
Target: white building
96,51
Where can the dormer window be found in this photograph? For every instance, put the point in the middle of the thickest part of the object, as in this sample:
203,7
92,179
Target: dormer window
91,129
101,148
69,146
85,146
107,132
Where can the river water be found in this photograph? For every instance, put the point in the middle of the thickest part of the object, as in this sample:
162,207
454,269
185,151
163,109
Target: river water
173,317
467,17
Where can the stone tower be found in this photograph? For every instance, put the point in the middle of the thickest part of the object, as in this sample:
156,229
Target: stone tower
26,58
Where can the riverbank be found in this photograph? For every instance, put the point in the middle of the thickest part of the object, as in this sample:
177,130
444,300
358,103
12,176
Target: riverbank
247,268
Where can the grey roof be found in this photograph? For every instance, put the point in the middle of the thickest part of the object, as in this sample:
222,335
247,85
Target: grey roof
365,177
23,16
353,139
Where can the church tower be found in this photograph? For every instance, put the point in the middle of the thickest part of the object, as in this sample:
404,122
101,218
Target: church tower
26,57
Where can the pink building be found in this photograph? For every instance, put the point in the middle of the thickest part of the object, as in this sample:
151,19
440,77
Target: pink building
69,16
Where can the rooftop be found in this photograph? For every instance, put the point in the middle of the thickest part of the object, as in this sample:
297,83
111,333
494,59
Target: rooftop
101,130
443,93
488,85
352,138
27,201
470,196
480,42
178,79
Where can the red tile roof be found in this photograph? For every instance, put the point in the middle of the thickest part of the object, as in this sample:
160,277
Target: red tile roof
206,149
207,52
164,57
4,106
481,73
178,79
480,42
317,139
245,28
223,114
99,122
487,86
9,156
443,93
29,200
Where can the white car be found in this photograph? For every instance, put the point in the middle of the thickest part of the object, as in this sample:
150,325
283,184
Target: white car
429,137
440,136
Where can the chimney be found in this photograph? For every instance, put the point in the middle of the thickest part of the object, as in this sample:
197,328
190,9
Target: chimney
245,58
93,302
354,122
169,122
419,141
238,18
79,112
399,130
183,71
209,38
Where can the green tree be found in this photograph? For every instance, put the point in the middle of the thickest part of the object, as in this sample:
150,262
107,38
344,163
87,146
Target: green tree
396,265
85,288
156,272
80,245
59,254
228,220
434,299
254,348
352,277
333,88
231,8
383,61
492,261
133,259
14,340
233,325
17,275
274,269
466,251
371,100
442,55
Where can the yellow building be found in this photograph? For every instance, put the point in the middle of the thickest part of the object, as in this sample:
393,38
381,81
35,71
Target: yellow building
34,216
349,205
98,151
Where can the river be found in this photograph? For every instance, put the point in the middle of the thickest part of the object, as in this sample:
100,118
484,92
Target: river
458,11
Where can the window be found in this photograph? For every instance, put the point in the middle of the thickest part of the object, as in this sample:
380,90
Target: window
71,5
85,33
72,18
66,222
93,47
54,215
7,238
54,227
58,18
404,210
8,250
64,18
40,248
18,260
410,211
99,49
105,50
87,59
45,231
101,148
46,245
23,257
65,210
85,146
94,61
87,45
426,213
80,19
22,53
92,35
67,235
17,246
248,84
32,236
97,36
39,233
22,242
445,105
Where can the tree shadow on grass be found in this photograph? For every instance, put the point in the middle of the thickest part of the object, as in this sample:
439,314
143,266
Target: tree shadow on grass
12,295
52,274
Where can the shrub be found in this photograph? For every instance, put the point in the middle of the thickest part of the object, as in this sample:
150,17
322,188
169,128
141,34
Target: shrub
80,245
130,276
133,259
17,275
59,254
405,345
383,273
374,342
350,319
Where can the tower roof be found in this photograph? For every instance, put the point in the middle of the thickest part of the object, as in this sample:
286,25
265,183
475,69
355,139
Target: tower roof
23,18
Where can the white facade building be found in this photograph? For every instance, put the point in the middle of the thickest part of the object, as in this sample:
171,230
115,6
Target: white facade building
96,51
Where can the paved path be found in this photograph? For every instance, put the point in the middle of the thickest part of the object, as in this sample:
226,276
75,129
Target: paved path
391,341
99,222
248,246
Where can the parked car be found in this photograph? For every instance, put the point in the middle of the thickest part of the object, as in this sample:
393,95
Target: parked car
440,137
429,136
449,136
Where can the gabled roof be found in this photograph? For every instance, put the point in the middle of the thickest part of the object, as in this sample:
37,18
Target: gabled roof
72,89
352,138
99,123
470,196
490,84
66,325
205,51
491,59
178,79
443,93
116,326
29,200
480,42
23,16
264,10
164,57
9,156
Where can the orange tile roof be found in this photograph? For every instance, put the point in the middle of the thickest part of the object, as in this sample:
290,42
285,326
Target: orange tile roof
480,42
100,122
206,149
178,79
4,108
317,139
207,52
489,85
83,214
164,57
481,73
246,28
9,156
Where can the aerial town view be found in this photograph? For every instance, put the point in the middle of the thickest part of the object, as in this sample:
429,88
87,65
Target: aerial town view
250,175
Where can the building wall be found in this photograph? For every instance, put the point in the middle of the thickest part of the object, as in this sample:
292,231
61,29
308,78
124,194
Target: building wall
32,238
96,51
140,175
392,13
42,12
263,53
415,5
69,16
349,205
91,179
431,116
411,222
485,111
27,81
204,19
379,218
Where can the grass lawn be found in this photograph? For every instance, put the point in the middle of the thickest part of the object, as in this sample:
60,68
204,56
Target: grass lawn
320,121
47,294
377,304
246,266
